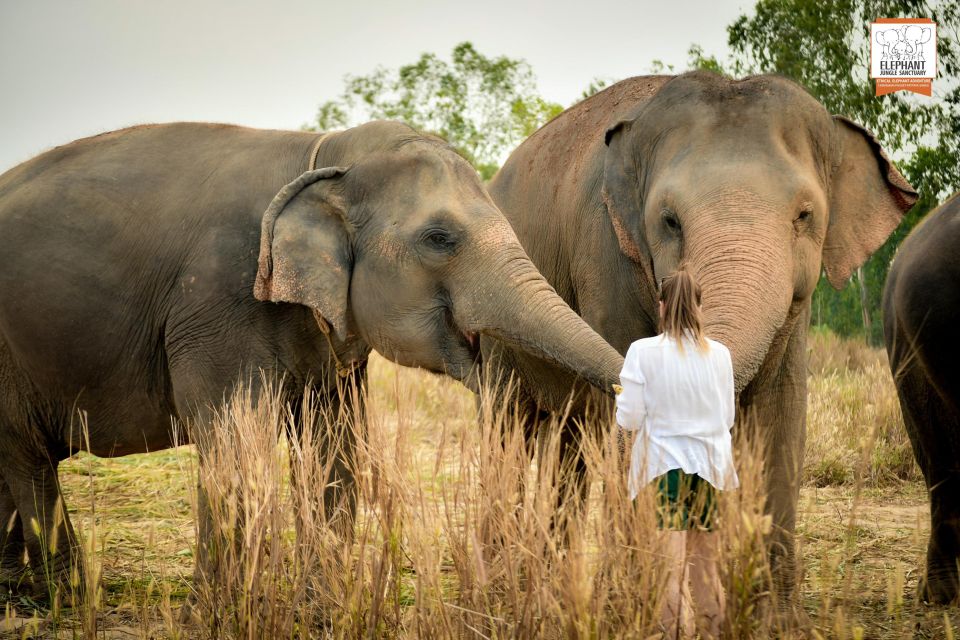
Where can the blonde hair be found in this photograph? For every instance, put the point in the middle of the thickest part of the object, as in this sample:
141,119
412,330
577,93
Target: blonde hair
680,294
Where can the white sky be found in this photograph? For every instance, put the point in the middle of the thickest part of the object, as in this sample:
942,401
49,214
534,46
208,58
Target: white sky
73,68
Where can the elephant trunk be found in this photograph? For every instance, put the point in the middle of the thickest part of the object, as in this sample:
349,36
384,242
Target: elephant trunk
512,302
747,292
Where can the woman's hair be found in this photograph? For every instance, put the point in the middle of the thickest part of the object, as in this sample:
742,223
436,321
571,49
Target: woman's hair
680,295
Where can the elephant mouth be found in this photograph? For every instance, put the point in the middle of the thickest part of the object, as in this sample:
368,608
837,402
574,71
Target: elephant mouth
463,359
469,342
472,339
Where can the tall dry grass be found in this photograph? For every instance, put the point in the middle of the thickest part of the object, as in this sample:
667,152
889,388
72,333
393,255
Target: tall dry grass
457,533
465,541
853,407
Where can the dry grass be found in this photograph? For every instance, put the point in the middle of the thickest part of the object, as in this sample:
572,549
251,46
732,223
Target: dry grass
443,548
853,405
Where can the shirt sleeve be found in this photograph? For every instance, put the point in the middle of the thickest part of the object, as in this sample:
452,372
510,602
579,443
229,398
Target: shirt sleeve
729,396
631,409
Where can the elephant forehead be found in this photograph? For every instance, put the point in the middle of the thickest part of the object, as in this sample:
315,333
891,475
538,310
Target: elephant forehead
767,180
753,108
419,195
746,203
770,155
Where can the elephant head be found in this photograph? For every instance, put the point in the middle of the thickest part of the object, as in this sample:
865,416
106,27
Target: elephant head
756,186
398,242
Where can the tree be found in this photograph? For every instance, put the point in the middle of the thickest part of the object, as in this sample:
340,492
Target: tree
483,106
824,46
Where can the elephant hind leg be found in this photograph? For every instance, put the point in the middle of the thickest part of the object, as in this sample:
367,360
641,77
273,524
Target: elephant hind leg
941,584
934,430
13,564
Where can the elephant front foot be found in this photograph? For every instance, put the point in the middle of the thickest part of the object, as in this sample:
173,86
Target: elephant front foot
783,571
60,582
941,584
14,579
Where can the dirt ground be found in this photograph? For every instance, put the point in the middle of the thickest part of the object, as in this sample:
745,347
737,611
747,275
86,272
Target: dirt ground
866,553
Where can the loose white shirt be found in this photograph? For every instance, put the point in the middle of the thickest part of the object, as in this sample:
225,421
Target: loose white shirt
681,404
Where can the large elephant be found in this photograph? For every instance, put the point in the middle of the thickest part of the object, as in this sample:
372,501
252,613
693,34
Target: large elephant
921,310
141,270
752,183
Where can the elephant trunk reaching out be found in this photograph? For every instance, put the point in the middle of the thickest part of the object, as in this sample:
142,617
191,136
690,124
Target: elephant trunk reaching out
528,313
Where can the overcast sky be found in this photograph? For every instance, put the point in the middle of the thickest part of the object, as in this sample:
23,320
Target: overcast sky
73,68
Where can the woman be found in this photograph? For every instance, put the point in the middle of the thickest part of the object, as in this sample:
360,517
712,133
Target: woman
678,396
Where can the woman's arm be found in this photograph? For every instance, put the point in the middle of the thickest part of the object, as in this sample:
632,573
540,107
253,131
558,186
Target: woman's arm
631,409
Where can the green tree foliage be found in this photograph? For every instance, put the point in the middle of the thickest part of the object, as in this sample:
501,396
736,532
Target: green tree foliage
825,47
483,106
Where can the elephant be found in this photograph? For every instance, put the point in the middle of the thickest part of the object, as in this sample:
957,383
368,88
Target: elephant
150,270
914,36
888,38
754,186
921,305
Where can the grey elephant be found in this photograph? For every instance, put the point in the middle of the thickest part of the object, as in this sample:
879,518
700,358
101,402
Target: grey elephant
921,304
753,184
132,260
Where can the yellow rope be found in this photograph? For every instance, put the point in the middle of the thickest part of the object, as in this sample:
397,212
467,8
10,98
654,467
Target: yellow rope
315,152
342,370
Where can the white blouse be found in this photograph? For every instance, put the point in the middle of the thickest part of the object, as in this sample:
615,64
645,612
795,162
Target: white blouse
682,406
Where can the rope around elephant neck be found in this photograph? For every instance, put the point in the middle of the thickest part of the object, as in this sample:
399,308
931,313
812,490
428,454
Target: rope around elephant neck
316,151
342,370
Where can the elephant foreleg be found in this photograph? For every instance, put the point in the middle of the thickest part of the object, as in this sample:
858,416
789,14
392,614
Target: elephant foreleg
324,442
773,416
46,532
12,550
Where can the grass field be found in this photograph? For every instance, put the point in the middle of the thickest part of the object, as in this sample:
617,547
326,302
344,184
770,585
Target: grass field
441,549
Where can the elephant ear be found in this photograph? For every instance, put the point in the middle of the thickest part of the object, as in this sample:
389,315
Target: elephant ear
868,199
305,254
620,192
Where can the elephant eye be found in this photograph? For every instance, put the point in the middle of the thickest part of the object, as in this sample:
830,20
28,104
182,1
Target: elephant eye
439,239
671,221
804,216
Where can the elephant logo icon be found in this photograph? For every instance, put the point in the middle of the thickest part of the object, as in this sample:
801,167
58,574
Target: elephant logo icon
889,38
904,43
914,36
